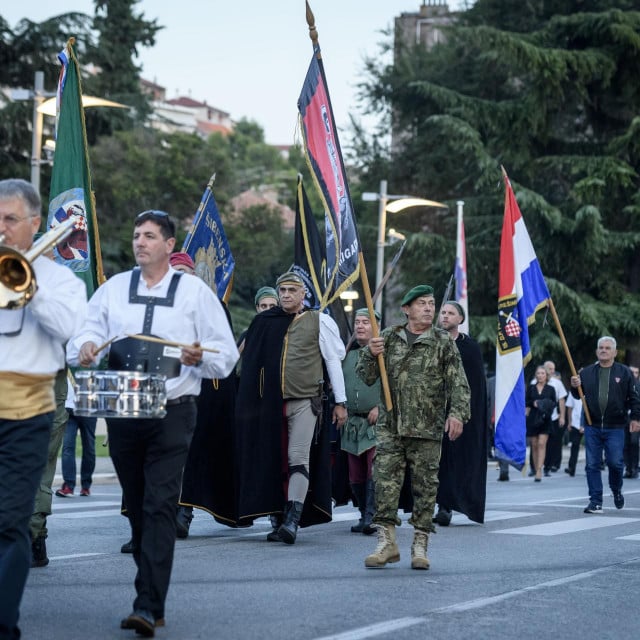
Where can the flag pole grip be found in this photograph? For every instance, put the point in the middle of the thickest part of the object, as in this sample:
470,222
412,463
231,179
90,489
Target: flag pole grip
567,353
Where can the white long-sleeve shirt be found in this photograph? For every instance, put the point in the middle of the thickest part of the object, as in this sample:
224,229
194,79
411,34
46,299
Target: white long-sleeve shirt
196,315
333,352
55,313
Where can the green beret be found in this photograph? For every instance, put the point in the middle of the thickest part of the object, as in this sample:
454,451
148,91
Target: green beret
365,312
458,306
290,277
265,292
416,292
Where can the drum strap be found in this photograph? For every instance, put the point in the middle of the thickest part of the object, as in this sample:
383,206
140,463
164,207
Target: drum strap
151,301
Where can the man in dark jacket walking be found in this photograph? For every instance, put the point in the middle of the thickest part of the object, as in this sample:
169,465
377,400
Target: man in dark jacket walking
612,399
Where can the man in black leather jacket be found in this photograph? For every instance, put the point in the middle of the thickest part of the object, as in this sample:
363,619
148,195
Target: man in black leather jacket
612,399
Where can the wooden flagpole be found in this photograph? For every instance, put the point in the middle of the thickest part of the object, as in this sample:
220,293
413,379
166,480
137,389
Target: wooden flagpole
313,34
567,353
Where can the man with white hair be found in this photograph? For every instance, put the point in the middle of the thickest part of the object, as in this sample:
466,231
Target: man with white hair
612,398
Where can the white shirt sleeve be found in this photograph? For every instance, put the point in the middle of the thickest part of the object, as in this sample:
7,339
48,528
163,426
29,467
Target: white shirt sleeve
333,352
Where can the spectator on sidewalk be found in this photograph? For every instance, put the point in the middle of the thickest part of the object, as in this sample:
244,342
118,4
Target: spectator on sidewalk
631,451
87,428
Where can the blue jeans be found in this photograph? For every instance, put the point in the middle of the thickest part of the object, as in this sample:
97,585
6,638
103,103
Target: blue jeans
87,428
612,441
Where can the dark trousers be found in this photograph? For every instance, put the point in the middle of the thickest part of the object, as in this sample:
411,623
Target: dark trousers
23,455
575,437
148,456
553,454
597,439
87,428
631,450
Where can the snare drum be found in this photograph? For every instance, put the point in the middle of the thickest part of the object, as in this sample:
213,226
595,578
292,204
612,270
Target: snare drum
120,394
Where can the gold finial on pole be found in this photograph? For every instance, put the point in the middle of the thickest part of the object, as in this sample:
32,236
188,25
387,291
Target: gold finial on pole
311,21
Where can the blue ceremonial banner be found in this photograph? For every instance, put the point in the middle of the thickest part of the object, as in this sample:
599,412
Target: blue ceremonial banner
309,259
208,247
521,292
322,149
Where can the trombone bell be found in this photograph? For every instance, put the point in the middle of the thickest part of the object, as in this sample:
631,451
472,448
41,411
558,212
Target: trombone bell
17,278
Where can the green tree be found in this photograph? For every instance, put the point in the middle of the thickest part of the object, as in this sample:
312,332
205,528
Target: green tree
552,92
121,32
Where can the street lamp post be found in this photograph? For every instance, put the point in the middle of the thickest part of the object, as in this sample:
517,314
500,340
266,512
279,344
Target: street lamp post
401,202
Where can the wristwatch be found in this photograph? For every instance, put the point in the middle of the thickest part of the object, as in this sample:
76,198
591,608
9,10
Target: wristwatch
341,404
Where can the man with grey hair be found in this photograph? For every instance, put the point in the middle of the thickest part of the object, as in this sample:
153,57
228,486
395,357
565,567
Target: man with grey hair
612,398
32,341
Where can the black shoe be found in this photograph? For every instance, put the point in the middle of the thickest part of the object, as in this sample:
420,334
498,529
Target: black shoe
142,621
504,477
443,517
627,474
288,530
39,553
547,474
554,469
532,473
127,547
183,521
592,507
357,528
618,500
570,472
276,521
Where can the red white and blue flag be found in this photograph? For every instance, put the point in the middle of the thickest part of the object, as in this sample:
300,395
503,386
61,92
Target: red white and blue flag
322,149
521,292
460,271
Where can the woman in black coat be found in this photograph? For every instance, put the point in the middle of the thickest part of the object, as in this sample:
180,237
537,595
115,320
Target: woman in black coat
540,401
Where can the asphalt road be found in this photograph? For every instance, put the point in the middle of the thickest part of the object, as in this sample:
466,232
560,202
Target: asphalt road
538,568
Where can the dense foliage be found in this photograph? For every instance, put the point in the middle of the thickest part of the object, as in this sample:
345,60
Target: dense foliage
552,92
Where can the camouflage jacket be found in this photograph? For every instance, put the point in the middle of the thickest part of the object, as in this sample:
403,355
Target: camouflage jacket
425,379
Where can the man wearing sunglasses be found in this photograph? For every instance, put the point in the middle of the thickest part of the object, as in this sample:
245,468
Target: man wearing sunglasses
32,341
149,454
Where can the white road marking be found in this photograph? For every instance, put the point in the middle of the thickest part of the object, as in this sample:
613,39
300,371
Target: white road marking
568,526
372,630
85,505
86,514
635,537
76,555
479,603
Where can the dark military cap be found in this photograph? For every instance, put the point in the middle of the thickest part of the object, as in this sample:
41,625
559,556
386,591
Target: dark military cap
416,292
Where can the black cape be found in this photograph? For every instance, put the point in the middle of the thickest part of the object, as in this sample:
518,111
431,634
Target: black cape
463,463
208,479
261,434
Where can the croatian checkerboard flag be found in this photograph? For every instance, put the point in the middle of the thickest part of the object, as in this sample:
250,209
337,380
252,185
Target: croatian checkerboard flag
521,292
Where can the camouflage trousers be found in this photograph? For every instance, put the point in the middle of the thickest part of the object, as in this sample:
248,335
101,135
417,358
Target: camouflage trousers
393,455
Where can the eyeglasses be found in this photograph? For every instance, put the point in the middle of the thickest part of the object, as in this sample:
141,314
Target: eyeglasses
12,221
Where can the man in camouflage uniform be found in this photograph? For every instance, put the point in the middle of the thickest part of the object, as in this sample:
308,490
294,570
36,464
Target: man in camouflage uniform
425,377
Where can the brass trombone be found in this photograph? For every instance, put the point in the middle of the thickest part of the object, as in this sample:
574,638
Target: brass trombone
17,279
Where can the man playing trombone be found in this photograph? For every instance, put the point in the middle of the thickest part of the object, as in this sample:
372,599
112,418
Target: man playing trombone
35,322
187,337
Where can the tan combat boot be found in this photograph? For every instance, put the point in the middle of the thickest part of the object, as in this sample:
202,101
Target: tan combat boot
419,558
387,549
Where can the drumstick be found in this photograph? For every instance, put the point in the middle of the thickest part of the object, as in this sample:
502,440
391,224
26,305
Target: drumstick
104,346
169,343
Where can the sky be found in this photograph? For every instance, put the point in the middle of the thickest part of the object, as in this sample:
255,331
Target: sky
250,57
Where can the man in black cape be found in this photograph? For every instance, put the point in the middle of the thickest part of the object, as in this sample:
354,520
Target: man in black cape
283,454
463,462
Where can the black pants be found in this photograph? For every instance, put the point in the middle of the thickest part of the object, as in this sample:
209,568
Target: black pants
23,456
631,450
553,454
575,437
149,456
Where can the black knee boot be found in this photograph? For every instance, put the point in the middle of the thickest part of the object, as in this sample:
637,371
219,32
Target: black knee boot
359,491
289,528
276,521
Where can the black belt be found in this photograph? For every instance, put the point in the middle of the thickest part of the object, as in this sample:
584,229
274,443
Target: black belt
361,415
182,400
